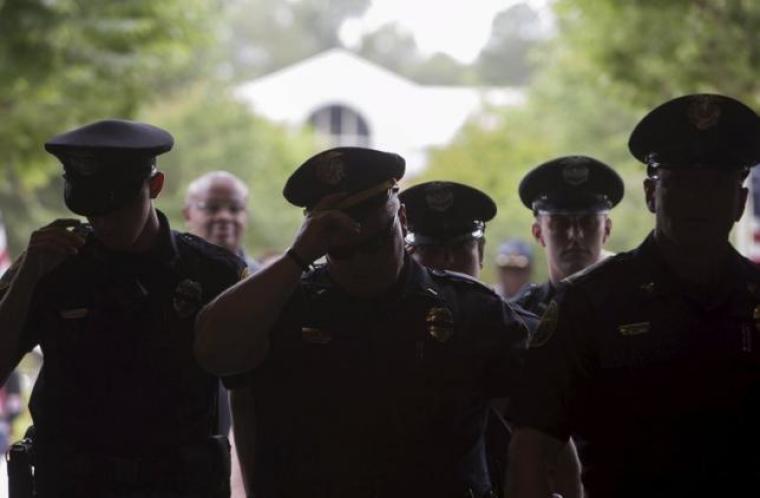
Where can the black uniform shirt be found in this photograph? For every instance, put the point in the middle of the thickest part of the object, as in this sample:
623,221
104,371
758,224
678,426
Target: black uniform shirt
664,387
116,330
383,397
535,298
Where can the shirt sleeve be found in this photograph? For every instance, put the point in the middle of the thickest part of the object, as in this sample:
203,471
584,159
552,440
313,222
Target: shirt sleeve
513,326
559,360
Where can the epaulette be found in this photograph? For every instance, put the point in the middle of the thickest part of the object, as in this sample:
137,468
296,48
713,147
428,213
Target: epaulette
594,269
463,278
212,252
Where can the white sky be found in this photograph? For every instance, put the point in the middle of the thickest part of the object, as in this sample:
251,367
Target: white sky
457,27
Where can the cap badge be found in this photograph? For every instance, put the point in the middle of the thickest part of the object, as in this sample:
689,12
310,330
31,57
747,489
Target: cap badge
331,169
440,324
575,174
439,198
704,112
187,298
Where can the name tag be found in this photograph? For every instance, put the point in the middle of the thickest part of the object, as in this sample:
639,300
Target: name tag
634,328
315,336
74,313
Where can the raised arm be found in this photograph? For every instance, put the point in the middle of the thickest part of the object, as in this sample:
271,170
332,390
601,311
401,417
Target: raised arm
232,331
48,247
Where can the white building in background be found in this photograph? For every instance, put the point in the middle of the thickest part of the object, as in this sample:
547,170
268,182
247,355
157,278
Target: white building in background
351,101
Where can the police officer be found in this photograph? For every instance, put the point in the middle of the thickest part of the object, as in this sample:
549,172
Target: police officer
120,407
371,373
447,225
514,265
570,197
652,356
446,231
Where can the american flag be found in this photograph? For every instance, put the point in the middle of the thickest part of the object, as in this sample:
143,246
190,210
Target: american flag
5,256
748,231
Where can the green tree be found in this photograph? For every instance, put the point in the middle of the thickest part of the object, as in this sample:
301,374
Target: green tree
506,58
67,62
261,36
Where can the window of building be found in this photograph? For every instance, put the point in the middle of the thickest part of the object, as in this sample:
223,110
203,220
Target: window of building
341,125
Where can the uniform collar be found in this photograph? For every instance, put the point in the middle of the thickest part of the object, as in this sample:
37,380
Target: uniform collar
414,279
736,278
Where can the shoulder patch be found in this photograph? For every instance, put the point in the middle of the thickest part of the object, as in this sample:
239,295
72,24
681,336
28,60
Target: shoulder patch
546,326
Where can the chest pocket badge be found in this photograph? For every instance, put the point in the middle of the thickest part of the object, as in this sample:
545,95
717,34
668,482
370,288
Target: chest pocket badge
631,329
74,314
313,335
440,324
187,298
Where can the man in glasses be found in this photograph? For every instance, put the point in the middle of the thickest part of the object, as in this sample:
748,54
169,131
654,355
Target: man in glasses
216,209
371,374
570,197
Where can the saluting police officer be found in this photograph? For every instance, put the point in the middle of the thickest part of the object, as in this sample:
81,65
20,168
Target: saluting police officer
371,373
652,356
570,198
446,231
120,407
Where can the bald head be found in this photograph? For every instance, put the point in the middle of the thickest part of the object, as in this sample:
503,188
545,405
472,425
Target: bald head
216,209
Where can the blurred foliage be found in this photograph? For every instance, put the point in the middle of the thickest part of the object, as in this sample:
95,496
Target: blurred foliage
506,58
396,49
213,131
66,62
260,36
609,63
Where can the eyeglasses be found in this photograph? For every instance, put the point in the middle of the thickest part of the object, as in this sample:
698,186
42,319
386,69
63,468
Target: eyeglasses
216,207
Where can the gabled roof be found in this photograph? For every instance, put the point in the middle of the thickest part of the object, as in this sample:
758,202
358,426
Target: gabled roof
403,116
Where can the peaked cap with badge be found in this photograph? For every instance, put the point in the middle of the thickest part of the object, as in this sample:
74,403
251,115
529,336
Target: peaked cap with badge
446,212
698,130
571,184
360,172
105,162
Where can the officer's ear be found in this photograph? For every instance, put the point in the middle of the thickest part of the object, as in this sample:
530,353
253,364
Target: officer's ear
535,229
156,184
650,186
402,217
607,228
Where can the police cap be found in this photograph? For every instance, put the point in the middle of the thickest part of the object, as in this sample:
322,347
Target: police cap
360,172
446,212
106,162
514,253
572,184
699,130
